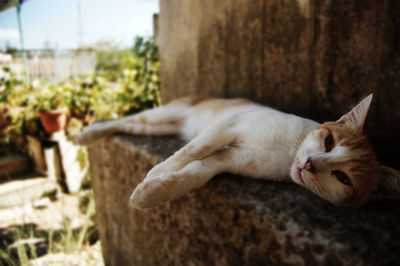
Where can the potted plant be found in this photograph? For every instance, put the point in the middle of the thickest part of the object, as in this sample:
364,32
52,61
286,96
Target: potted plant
52,110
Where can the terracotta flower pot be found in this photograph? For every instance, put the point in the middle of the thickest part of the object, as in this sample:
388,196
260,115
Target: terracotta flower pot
53,120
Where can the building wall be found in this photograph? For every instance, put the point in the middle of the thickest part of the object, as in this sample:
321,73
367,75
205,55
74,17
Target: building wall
309,57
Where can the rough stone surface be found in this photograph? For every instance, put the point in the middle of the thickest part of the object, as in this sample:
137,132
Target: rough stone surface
232,220
12,165
315,58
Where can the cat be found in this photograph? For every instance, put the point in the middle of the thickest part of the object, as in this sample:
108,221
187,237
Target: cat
334,160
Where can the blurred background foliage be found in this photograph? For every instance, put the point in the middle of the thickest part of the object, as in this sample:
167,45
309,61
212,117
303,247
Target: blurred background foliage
126,81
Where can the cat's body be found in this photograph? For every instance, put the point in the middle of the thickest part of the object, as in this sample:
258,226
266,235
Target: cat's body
245,138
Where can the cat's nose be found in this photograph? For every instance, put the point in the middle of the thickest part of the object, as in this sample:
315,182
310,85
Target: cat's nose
309,165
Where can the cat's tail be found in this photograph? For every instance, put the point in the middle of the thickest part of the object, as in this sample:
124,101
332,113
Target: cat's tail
165,120
160,121
96,131
101,130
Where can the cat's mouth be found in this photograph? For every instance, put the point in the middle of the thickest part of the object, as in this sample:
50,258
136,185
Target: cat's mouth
299,177
296,173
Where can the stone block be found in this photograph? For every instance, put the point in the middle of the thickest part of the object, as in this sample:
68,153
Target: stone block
72,161
312,58
53,163
232,220
11,165
20,192
35,151
60,159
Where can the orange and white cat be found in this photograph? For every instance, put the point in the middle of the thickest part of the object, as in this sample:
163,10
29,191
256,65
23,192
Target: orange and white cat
334,160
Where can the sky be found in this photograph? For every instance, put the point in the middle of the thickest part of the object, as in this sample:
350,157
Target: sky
55,23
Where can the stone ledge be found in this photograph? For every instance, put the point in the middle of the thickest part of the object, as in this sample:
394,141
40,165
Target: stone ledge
232,220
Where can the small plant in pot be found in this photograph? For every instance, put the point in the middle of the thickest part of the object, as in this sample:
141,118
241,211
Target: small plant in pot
52,110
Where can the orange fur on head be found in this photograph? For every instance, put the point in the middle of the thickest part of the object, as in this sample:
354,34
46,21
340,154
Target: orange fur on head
363,167
337,161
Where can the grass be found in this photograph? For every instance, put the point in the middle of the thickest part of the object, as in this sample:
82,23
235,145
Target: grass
72,240
22,248
7,259
27,242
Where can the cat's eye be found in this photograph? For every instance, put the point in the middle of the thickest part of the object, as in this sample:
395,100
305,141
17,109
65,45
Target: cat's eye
329,143
342,177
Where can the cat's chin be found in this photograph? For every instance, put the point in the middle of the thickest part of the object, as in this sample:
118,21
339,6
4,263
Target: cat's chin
295,174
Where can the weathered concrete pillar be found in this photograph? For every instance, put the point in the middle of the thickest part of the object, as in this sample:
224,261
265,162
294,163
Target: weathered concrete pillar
316,58
230,221
312,57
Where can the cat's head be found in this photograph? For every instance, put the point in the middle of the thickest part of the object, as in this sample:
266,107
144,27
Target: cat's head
337,162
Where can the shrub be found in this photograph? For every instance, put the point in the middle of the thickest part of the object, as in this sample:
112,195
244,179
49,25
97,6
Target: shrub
126,82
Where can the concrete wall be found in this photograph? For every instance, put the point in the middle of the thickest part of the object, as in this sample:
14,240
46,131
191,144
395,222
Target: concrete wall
311,57
231,220
315,58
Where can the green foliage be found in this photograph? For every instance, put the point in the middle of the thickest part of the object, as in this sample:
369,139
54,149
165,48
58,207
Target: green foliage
8,83
126,82
16,114
110,59
7,258
137,71
17,249
51,97
141,77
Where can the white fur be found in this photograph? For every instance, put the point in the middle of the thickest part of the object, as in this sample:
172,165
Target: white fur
246,139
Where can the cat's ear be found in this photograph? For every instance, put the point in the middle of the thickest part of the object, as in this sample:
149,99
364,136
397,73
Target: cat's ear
357,116
388,185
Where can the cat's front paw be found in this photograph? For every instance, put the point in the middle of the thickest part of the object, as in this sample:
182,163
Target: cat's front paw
141,197
152,192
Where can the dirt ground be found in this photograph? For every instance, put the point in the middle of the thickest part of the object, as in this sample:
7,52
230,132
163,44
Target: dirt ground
60,229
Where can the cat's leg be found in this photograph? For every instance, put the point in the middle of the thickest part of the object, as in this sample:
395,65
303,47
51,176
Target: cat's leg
189,168
213,139
235,158
159,121
154,191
